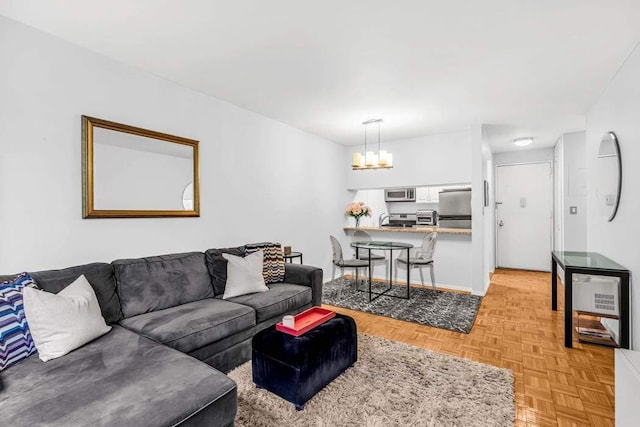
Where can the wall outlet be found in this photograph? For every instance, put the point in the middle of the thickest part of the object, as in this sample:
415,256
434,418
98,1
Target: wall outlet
573,210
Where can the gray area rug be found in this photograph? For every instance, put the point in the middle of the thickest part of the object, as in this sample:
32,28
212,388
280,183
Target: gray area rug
392,384
446,310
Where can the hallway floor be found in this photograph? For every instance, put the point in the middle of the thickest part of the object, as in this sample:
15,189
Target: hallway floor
516,329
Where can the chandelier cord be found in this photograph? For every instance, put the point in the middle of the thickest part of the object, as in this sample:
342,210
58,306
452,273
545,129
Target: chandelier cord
365,140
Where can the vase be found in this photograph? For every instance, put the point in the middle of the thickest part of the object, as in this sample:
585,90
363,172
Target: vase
357,222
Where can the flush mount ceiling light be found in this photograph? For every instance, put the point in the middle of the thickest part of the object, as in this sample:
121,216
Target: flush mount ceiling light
380,159
522,142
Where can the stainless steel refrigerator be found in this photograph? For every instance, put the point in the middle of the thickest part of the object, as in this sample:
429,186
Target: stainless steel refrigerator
455,208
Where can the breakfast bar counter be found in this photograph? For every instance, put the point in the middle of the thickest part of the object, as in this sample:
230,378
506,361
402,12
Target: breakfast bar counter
419,229
452,258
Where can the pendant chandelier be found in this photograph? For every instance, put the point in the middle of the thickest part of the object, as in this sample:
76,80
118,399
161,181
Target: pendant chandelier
380,159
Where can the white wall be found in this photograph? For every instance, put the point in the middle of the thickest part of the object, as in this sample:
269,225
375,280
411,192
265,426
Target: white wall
523,156
427,160
574,181
558,196
260,179
489,211
479,158
617,110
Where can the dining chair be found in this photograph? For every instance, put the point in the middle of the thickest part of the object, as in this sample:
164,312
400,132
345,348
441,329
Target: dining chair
339,261
421,258
363,236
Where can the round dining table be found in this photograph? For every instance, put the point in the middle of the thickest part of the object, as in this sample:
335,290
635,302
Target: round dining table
372,245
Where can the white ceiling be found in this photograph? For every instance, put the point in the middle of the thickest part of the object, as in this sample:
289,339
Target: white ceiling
425,66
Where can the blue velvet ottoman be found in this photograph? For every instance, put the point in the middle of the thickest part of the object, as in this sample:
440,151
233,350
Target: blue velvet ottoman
296,368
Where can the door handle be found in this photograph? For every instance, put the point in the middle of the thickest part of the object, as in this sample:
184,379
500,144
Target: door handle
501,223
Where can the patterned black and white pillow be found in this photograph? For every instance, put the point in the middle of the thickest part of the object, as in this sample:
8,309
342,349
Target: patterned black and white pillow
273,263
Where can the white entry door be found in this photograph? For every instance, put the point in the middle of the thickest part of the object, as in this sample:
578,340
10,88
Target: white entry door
524,215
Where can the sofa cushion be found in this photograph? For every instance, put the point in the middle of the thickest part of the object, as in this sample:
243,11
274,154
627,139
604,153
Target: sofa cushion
190,326
282,298
99,275
120,379
217,266
154,283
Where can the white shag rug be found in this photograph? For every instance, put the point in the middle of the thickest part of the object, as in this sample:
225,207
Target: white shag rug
391,384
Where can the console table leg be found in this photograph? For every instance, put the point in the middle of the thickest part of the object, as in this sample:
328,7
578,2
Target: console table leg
568,308
554,284
624,311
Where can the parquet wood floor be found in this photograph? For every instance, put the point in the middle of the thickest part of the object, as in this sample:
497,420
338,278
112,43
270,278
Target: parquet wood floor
516,329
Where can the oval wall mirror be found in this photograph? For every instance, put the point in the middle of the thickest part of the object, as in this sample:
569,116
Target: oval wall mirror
609,175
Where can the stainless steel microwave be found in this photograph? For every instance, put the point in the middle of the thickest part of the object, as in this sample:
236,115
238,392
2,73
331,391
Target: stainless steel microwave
400,195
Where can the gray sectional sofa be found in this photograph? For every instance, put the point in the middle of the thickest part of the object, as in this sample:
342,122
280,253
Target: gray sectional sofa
167,318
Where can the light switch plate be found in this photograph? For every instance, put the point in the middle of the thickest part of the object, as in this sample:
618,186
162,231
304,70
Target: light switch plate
523,202
573,210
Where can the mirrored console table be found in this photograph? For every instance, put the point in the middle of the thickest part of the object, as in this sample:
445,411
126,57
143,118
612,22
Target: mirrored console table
588,263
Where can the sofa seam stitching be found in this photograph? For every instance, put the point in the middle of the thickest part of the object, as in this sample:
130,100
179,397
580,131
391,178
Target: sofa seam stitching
210,327
287,299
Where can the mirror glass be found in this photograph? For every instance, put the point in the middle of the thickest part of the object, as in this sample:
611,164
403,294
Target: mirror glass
132,172
187,197
609,175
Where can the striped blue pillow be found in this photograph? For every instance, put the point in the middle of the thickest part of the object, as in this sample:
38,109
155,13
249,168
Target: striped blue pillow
16,342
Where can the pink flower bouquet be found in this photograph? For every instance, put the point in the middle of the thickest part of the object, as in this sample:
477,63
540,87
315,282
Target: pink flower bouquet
358,210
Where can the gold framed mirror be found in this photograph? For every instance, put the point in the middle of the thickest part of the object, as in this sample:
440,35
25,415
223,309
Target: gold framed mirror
129,172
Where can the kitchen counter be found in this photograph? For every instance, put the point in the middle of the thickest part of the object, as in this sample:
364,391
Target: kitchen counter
423,229
452,258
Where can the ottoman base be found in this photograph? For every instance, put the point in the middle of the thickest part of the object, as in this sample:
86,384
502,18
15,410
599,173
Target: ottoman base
296,368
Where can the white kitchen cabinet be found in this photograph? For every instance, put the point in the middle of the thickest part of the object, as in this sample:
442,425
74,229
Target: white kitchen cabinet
434,194
422,195
428,194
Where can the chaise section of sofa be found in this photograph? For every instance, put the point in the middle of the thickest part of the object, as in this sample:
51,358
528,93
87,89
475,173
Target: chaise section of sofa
119,379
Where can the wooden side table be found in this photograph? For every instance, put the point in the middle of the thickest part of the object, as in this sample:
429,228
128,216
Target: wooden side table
289,257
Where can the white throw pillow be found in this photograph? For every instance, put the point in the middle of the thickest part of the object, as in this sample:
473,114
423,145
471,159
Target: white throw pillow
244,275
62,322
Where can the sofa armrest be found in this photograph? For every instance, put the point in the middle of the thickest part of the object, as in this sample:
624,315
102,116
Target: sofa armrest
305,275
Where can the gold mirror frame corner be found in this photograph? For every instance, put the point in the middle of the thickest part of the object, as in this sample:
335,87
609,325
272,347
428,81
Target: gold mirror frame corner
88,206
